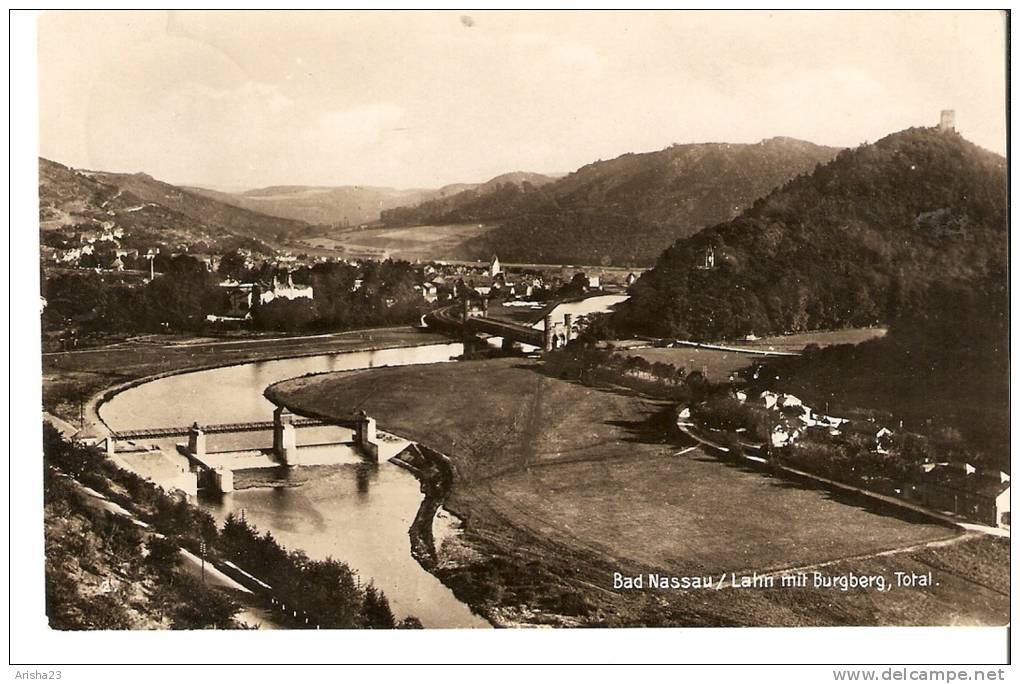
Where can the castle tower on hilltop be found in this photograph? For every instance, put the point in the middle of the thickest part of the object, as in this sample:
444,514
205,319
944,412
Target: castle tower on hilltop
947,121
707,262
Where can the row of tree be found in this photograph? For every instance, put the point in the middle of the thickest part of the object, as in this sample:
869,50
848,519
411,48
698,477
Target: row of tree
185,292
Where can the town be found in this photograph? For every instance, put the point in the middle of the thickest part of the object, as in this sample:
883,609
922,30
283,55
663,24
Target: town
400,321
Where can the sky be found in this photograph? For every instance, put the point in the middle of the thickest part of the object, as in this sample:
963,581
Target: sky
237,100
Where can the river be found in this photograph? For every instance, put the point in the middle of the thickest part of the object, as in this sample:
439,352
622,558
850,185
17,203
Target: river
584,307
359,513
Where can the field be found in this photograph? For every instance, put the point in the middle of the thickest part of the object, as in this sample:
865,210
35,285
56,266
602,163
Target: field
425,243
561,485
720,365
716,365
823,338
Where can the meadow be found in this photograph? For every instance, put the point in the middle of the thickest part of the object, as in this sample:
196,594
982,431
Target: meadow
560,484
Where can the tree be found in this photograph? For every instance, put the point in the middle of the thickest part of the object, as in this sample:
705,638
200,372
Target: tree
376,611
208,608
182,296
163,555
232,265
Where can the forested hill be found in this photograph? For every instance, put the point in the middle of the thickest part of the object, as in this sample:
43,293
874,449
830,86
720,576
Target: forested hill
858,241
623,210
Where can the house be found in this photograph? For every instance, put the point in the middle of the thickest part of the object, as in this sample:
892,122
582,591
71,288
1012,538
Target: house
239,298
284,290
784,435
428,291
243,297
881,438
69,256
789,401
962,489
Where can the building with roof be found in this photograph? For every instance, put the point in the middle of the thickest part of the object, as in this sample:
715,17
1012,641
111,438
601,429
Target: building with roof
962,489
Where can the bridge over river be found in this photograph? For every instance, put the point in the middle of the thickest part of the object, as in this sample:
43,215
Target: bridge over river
468,322
182,431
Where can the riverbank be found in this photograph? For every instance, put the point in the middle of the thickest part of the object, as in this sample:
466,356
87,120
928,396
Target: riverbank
560,486
76,383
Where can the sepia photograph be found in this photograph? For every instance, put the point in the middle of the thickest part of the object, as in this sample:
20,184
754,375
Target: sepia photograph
463,320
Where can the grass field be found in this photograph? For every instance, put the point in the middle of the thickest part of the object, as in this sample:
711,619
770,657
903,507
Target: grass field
692,514
561,484
719,365
426,243
823,338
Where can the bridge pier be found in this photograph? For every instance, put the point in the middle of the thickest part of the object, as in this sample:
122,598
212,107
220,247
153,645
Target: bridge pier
285,437
196,441
365,435
223,478
548,341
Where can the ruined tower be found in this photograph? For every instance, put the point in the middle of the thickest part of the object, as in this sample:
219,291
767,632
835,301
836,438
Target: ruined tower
947,121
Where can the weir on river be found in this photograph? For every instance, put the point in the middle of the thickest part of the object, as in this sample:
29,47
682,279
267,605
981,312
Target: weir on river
211,467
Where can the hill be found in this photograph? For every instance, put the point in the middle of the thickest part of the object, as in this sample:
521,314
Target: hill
72,202
352,205
209,213
620,211
148,211
943,369
858,241
498,197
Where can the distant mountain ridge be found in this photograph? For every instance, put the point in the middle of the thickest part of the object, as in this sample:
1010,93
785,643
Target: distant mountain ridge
858,241
352,205
318,205
623,210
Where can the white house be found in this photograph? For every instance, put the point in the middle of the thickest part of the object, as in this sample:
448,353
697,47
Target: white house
285,290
